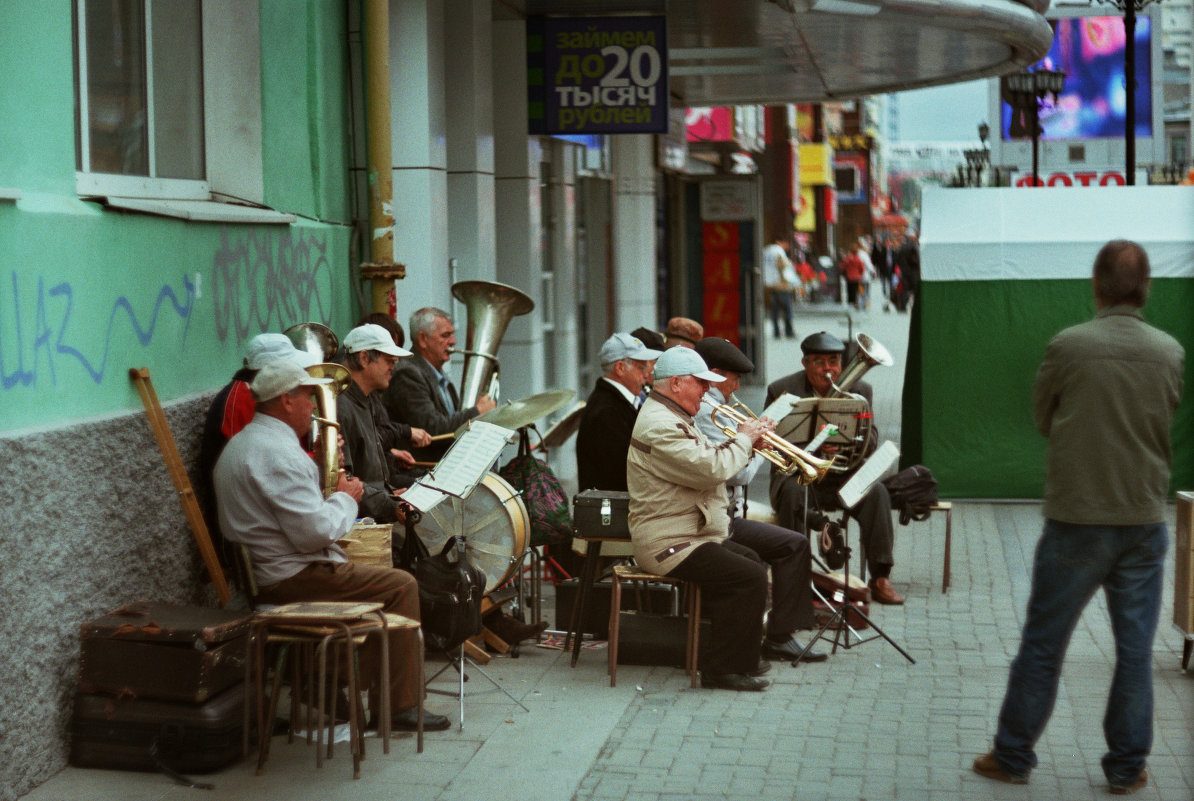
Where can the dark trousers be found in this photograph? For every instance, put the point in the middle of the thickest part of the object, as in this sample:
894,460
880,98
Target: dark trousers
733,582
791,562
873,514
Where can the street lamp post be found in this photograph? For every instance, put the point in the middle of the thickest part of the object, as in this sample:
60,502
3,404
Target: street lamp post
1024,92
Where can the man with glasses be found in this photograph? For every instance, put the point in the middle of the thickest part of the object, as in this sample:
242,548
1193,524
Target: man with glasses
604,434
822,364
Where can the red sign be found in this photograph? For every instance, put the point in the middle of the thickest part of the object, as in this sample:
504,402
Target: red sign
719,236
1078,178
709,124
721,270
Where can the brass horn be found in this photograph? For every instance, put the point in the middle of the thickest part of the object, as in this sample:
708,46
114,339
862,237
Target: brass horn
490,308
320,342
784,455
870,353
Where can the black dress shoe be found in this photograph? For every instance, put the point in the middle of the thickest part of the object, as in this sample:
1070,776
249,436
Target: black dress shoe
761,669
790,649
711,680
408,720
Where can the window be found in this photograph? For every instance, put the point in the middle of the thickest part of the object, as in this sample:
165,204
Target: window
139,94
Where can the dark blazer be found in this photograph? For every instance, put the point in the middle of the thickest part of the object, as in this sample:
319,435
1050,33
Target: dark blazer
603,439
413,398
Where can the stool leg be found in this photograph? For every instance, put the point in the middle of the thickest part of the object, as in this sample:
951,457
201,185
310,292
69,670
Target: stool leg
264,734
615,616
949,513
694,630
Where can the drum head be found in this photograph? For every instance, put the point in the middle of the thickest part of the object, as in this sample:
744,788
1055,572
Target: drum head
496,528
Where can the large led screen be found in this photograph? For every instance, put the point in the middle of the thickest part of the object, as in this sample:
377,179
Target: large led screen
1090,51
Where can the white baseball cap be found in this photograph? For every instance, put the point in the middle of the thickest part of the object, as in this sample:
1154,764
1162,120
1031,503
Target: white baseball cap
684,361
625,346
279,377
372,336
265,348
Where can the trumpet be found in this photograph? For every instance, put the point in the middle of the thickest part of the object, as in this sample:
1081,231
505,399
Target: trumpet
786,457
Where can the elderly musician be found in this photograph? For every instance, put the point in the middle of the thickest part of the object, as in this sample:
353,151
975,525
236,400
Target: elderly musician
370,443
269,498
822,365
679,524
603,437
786,551
421,393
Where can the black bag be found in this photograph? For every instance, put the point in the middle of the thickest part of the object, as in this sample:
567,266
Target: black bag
450,589
913,490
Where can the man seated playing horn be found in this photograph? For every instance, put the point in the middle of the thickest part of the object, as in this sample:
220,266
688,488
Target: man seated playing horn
679,520
421,393
786,551
822,365
270,500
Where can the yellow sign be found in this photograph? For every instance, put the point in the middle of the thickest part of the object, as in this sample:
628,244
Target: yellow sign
806,216
816,165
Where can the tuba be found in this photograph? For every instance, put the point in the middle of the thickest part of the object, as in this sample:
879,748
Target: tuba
870,353
320,342
490,308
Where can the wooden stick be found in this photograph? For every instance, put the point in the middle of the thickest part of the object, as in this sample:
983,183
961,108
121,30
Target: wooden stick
449,435
186,495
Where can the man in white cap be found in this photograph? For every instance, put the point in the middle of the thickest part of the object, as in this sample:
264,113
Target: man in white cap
679,519
370,448
270,500
231,410
604,433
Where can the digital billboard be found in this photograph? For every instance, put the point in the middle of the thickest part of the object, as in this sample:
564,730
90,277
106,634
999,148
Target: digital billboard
1090,51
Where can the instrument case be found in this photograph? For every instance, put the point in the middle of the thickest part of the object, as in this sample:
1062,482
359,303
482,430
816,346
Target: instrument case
656,598
173,737
164,652
601,514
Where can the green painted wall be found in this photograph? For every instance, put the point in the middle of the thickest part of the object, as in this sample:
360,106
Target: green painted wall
87,292
979,346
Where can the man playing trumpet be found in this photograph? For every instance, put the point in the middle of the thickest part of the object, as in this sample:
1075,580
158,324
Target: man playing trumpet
679,521
822,366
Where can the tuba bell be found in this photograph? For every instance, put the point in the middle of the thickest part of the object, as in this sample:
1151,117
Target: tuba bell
490,308
870,353
320,342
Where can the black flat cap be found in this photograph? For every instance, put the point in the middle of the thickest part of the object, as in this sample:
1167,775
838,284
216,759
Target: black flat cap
822,342
652,339
721,354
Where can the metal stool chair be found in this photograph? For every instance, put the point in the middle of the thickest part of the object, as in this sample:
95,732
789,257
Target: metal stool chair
636,577
310,630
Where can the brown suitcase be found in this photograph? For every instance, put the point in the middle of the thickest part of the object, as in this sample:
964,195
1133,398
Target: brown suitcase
164,652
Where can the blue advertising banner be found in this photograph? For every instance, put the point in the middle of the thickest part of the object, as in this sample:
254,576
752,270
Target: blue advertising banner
597,75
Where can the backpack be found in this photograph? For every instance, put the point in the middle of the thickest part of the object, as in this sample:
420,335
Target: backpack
544,496
913,490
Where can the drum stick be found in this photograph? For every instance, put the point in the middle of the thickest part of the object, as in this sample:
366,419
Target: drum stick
425,464
438,437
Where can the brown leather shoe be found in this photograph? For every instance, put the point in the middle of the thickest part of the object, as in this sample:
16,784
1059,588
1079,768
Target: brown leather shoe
882,592
986,765
1140,783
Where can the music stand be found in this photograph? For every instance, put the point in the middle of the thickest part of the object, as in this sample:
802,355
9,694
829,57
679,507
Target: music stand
455,476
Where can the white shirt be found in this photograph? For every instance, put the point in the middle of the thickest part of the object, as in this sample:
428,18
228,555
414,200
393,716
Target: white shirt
269,499
777,266
633,400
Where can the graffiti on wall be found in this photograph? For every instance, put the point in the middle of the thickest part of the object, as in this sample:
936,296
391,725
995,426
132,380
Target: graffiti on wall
54,333
264,282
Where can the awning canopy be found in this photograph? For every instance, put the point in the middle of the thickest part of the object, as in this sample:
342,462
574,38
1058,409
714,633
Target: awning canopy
734,52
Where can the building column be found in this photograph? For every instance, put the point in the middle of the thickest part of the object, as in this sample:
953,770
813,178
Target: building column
517,213
634,254
420,185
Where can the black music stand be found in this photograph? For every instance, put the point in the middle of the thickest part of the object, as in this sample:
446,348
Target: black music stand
461,469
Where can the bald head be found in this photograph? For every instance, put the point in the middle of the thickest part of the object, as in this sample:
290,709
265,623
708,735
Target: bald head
1121,274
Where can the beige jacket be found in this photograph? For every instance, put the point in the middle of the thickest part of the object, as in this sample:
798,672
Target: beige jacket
676,479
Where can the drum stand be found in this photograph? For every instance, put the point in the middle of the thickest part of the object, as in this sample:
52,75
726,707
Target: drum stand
840,619
457,658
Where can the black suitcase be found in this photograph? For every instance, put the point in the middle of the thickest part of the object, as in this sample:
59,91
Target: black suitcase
657,598
173,737
164,652
601,514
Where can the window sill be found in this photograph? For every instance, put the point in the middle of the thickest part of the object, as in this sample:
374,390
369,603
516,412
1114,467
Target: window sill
201,210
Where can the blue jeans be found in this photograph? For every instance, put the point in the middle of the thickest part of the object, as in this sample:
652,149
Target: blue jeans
1072,561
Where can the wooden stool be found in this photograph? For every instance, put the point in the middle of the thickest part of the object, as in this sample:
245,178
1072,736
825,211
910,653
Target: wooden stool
311,629
948,508
636,576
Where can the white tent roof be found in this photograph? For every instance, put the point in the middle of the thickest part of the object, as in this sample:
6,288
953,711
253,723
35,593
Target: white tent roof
1023,233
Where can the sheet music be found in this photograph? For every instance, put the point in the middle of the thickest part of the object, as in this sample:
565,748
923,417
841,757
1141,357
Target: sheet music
870,471
462,468
781,407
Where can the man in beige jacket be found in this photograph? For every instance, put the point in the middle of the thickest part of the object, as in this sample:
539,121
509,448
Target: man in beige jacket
679,518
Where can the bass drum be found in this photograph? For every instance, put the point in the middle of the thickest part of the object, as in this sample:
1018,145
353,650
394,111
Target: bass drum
496,527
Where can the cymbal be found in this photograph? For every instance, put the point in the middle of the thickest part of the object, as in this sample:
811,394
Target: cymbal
519,413
564,428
